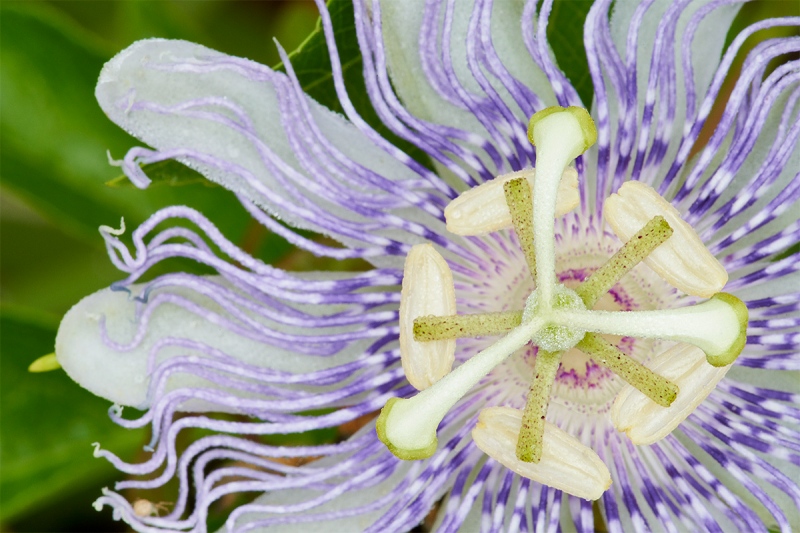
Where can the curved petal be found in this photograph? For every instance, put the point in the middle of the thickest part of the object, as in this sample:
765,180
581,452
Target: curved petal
418,58
668,53
253,131
462,71
393,497
111,342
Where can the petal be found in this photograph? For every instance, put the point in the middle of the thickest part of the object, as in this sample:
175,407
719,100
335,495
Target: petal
702,47
747,199
248,128
646,422
118,367
394,497
351,501
427,290
433,53
566,464
668,53
483,209
683,261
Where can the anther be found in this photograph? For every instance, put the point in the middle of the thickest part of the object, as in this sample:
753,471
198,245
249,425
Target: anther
566,464
427,289
684,261
483,209
645,422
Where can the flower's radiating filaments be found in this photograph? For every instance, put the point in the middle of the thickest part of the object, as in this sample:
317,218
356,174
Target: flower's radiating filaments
543,329
556,319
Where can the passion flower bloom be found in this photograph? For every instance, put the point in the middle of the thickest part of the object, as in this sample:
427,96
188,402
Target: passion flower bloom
255,351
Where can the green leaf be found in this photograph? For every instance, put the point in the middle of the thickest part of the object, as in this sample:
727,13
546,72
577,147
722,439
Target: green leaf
170,172
49,423
56,138
565,35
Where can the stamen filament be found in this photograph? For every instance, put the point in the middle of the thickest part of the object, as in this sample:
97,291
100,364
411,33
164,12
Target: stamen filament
647,239
520,205
434,328
717,326
408,426
657,388
529,444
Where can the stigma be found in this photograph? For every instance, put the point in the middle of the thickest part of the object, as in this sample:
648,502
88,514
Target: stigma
555,318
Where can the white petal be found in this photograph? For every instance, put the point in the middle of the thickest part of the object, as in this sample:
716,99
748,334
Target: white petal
121,376
360,496
483,209
427,290
750,169
646,422
401,31
566,464
683,260
706,47
706,51
200,93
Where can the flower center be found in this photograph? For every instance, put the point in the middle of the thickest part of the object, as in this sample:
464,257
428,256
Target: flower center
554,337
581,384
555,318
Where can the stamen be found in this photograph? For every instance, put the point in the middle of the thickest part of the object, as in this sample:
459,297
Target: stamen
645,422
520,205
654,233
427,289
560,135
408,426
566,464
529,444
483,209
684,262
434,328
659,389
717,326
556,318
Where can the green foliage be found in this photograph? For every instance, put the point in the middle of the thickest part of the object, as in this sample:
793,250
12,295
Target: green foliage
48,423
565,35
55,137
170,173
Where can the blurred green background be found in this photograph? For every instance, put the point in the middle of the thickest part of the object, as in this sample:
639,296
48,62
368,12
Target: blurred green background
53,167
53,164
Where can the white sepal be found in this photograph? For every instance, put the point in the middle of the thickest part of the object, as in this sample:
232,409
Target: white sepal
646,422
427,290
683,260
566,464
483,209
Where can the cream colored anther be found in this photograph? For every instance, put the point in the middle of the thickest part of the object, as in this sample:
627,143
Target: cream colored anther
683,261
566,464
427,290
483,209
646,422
